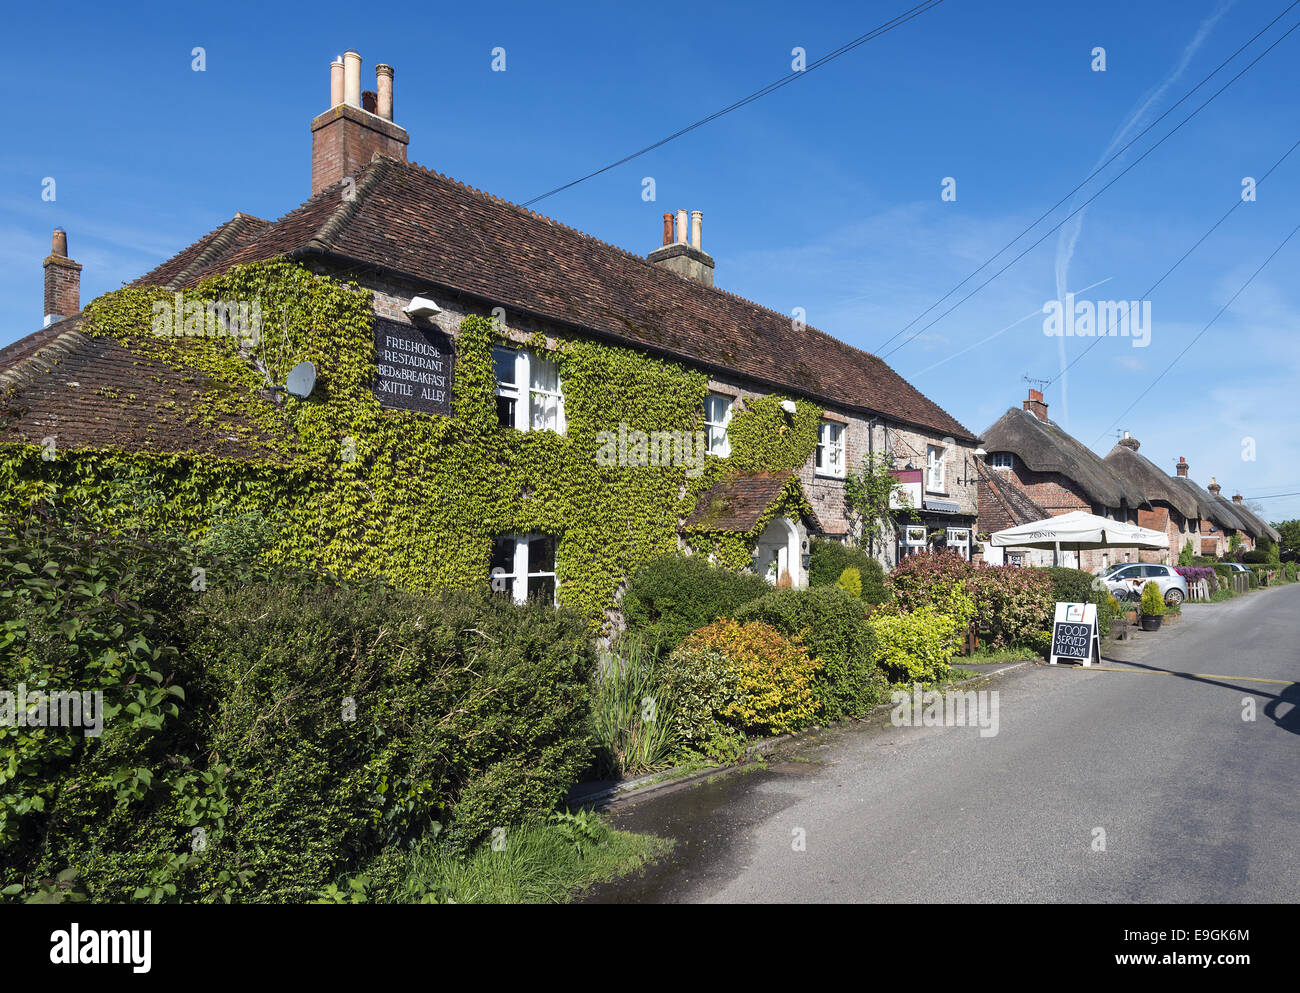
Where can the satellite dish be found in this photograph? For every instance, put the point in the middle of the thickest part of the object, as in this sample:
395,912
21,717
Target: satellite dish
301,381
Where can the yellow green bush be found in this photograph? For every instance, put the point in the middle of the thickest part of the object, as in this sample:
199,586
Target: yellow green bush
774,676
916,647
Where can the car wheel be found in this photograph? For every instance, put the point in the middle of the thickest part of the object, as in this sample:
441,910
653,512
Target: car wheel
1174,597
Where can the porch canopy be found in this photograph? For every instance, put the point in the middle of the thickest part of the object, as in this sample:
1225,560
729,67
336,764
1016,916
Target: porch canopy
1078,530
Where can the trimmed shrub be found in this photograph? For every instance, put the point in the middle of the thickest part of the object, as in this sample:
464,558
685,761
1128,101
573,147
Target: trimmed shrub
828,560
850,582
298,725
914,647
1256,556
1013,603
1153,604
927,579
773,692
1076,586
701,684
833,625
671,596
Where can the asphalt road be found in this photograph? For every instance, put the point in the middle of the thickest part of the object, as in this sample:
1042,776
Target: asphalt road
1196,803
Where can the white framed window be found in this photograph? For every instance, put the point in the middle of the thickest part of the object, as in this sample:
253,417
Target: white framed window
1002,460
830,449
934,475
717,415
523,567
529,393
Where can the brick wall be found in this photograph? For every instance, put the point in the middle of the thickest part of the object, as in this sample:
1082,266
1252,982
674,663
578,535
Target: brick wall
345,139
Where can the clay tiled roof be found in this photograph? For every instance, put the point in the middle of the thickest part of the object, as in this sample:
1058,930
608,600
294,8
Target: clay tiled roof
737,502
180,269
95,393
1002,502
1044,447
416,223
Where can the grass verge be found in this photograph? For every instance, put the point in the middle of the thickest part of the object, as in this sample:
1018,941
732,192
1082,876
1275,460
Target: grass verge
549,861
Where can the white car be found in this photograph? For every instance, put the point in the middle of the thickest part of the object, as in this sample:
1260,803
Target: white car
1127,580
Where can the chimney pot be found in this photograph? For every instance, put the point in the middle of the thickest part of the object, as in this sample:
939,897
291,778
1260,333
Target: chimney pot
668,228
336,82
1182,466
346,138
59,243
681,227
1236,498
352,78
384,87
1214,486
697,221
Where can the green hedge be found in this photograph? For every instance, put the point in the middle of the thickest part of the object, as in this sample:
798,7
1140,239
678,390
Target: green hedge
672,595
274,731
1077,586
832,624
827,560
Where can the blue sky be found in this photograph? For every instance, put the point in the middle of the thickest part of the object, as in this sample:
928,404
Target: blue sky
824,195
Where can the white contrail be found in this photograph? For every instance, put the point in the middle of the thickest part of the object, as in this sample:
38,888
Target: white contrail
1069,234
1033,313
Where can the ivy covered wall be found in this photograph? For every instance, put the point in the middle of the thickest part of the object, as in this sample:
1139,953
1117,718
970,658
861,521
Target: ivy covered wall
357,488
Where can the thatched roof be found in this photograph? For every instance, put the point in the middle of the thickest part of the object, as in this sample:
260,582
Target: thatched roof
1259,527
1207,507
1044,447
1146,476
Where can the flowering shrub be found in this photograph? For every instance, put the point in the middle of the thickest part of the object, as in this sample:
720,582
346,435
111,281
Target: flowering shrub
1013,603
773,690
927,578
1010,603
1194,574
915,647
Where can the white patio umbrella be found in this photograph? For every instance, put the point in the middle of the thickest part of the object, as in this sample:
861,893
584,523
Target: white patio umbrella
1079,530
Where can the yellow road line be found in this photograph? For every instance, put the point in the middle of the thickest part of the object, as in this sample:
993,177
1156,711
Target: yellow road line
1197,675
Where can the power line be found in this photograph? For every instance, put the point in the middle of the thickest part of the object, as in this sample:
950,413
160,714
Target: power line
875,32
1084,183
1202,331
1273,496
1151,289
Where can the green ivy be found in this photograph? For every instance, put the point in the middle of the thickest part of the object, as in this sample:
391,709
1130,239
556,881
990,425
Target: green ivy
422,497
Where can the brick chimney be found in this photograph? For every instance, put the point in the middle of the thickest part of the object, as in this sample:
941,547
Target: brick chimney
682,253
1236,498
62,281
357,127
1181,467
1129,442
1214,487
1036,405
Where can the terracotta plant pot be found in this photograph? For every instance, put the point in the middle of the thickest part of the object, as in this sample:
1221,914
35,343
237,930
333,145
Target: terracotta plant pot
1151,622
1131,616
